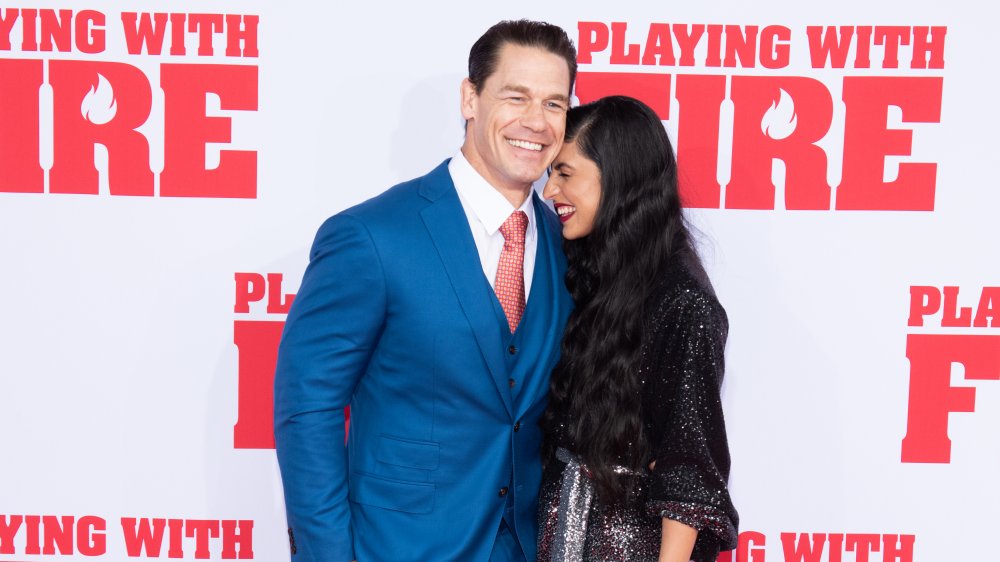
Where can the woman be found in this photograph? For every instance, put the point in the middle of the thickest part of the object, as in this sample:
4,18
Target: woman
636,451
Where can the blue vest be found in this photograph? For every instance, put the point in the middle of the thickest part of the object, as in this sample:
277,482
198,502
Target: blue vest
524,374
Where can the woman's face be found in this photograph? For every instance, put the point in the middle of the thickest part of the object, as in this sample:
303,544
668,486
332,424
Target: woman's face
574,187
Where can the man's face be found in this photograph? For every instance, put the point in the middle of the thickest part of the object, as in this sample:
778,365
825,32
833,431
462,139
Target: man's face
516,123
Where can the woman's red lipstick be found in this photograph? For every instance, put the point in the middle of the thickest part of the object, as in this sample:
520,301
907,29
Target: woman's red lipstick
564,217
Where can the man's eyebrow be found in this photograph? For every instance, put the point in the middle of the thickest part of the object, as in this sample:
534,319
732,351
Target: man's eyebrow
525,90
515,88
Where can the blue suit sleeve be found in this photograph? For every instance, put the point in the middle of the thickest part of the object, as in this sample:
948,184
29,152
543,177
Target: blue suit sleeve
332,328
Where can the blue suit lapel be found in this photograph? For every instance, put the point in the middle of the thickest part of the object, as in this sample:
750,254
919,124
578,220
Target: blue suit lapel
449,229
549,235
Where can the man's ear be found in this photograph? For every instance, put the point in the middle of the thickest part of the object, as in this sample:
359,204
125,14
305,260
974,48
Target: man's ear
469,99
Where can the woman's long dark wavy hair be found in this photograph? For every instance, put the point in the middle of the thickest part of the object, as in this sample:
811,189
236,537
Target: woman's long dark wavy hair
612,271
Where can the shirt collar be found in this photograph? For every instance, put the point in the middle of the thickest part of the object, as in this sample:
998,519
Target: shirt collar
486,203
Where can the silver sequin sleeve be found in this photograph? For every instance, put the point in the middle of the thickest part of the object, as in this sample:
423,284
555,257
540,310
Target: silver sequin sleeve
683,368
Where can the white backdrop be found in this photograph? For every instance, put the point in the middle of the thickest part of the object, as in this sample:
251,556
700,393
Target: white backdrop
137,329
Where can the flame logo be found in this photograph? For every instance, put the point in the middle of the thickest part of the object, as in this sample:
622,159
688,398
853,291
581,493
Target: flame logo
779,120
99,105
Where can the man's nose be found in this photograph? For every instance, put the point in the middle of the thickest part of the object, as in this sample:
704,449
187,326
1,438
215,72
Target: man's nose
534,117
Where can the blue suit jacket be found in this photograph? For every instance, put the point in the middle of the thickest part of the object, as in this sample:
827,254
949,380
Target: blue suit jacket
395,317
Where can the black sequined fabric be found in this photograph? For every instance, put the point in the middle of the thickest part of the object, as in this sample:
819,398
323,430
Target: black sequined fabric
681,372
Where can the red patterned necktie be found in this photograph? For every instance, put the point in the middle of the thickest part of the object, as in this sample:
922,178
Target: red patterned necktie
509,284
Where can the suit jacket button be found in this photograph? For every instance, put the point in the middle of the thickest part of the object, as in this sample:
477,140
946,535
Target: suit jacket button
517,427
503,492
512,350
511,382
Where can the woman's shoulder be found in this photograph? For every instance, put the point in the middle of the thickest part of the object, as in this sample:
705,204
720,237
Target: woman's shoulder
685,291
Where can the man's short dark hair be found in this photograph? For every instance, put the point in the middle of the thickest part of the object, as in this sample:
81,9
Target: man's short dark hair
526,33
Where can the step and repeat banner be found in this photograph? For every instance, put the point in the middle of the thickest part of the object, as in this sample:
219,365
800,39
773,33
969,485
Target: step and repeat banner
165,165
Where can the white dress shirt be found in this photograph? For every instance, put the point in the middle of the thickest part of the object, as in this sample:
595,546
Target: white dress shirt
486,209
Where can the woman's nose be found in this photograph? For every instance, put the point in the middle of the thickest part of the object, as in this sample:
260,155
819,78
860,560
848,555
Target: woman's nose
550,190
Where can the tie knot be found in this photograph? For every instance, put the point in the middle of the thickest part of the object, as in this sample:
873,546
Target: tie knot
515,227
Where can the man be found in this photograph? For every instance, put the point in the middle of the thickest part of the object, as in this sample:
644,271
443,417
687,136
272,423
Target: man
436,311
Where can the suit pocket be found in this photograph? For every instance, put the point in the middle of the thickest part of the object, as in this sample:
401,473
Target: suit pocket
408,497
407,453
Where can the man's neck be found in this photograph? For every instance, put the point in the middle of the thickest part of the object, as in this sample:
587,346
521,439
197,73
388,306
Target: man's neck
516,195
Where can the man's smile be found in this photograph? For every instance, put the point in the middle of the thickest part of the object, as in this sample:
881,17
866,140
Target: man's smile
527,145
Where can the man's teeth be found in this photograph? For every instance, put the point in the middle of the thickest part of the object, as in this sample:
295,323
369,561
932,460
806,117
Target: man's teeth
565,210
525,144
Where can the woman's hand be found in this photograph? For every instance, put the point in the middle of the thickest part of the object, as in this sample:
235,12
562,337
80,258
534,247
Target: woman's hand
677,542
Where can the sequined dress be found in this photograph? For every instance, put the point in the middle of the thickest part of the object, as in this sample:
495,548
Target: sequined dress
682,368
